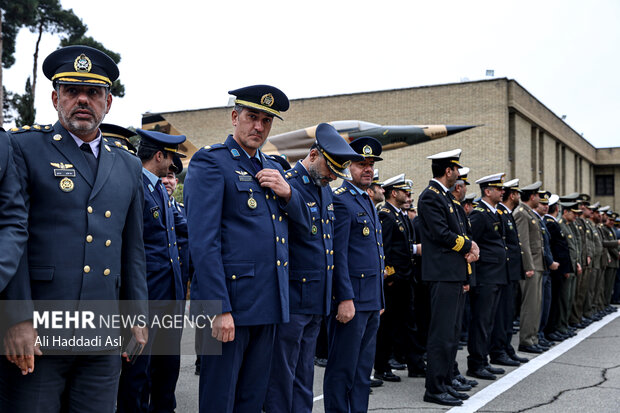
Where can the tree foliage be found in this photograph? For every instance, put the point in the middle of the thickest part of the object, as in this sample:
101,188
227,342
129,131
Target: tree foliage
14,15
24,105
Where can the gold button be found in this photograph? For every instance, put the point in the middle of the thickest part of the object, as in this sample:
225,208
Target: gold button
273,217
266,196
107,243
175,243
285,263
169,245
86,269
327,252
108,214
324,236
234,277
507,258
89,209
278,262
329,236
331,252
106,271
362,275
283,241
171,260
178,258
303,280
89,238
280,219
277,239
173,228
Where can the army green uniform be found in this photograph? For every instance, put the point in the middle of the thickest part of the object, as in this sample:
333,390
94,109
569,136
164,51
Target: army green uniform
568,293
581,302
610,242
595,279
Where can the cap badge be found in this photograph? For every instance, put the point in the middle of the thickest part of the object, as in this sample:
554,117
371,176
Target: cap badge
82,63
267,100
367,150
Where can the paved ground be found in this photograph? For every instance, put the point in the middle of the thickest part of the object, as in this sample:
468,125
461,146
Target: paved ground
579,375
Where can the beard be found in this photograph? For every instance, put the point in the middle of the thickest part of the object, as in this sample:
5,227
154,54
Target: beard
80,126
317,178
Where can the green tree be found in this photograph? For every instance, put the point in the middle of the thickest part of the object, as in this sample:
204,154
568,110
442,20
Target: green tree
13,16
24,105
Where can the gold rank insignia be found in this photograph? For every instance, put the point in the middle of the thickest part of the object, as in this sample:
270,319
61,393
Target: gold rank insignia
401,228
314,230
66,185
311,204
451,210
61,165
366,231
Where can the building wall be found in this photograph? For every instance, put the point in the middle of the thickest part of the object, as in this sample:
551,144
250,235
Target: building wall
518,134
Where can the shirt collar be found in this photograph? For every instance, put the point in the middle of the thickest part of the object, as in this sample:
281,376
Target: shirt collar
256,154
440,184
94,144
153,179
359,191
549,215
508,209
534,211
493,209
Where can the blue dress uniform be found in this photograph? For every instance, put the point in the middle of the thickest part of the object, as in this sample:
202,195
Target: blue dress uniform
85,243
310,280
238,237
13,214
358,275
491,272
155,373
445,268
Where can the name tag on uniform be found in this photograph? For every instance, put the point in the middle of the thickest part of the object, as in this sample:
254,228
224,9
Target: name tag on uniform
361,214
64,172
245,178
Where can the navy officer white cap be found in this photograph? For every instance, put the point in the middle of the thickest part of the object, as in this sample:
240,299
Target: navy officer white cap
553,199
455,153
492,180
512,184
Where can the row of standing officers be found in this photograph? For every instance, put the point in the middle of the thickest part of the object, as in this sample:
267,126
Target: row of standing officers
85,220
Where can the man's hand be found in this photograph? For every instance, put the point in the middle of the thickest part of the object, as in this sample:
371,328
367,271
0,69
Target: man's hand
141,334
579,270
589,260
466,288
554,266
224,326
20,347
346,311
271,178
473,254
529,274
418,249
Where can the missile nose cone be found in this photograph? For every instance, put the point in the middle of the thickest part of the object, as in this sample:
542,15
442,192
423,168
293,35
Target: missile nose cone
452,129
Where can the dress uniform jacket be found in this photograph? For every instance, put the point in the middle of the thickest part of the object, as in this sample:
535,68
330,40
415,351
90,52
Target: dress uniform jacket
587,246
511,237
559,246
163,270
238,235
597,244
398,236
13,214
180,228
573,242
358,253
85,230
488,232
445,240
531,238
310,247
610,242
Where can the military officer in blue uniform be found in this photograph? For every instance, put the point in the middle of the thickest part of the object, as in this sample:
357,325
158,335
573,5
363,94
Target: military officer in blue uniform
13,214
119,136
311,263
447,251
238,237
491,273
148,383
84,199
358,287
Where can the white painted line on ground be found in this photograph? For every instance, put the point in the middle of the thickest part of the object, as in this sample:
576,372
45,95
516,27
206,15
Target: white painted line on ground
317,398
484,396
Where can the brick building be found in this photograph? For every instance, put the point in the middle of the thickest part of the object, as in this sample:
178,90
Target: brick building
519,135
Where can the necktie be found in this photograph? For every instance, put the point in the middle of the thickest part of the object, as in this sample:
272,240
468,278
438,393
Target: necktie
90,157
256,164
370,205
163,197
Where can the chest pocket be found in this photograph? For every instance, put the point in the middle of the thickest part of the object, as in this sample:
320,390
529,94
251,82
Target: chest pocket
364,227
251,198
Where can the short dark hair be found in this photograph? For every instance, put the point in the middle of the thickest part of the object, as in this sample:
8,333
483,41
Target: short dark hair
552,208
440,170
526,195
146,152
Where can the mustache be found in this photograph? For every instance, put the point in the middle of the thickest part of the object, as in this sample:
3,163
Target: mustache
82,108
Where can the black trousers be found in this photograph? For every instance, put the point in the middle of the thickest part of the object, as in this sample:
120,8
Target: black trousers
483,299
445,326
397,324
501,336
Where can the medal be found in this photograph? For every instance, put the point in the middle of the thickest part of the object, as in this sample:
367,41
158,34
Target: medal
314,230
66,185
252,202
366,231
155,214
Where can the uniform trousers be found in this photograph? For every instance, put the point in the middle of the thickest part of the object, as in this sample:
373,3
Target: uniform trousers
484,299
581,295
62,383
590,305
570,301
531,300
502,328
545,303
422,315
560,303
600,290
445,326
236,381
610,276
292,366
397,325
346,385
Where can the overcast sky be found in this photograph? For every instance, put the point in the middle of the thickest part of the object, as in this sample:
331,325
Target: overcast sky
179,55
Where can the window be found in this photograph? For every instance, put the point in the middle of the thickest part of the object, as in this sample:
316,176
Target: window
604,185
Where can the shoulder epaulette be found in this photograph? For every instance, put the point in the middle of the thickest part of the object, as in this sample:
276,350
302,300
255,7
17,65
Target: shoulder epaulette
27,128
288,175
117,144
340,191
480,209
432,188
214,146
499,211
385,210
456,202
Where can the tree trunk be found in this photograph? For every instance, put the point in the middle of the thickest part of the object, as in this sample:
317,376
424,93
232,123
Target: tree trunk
36,60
